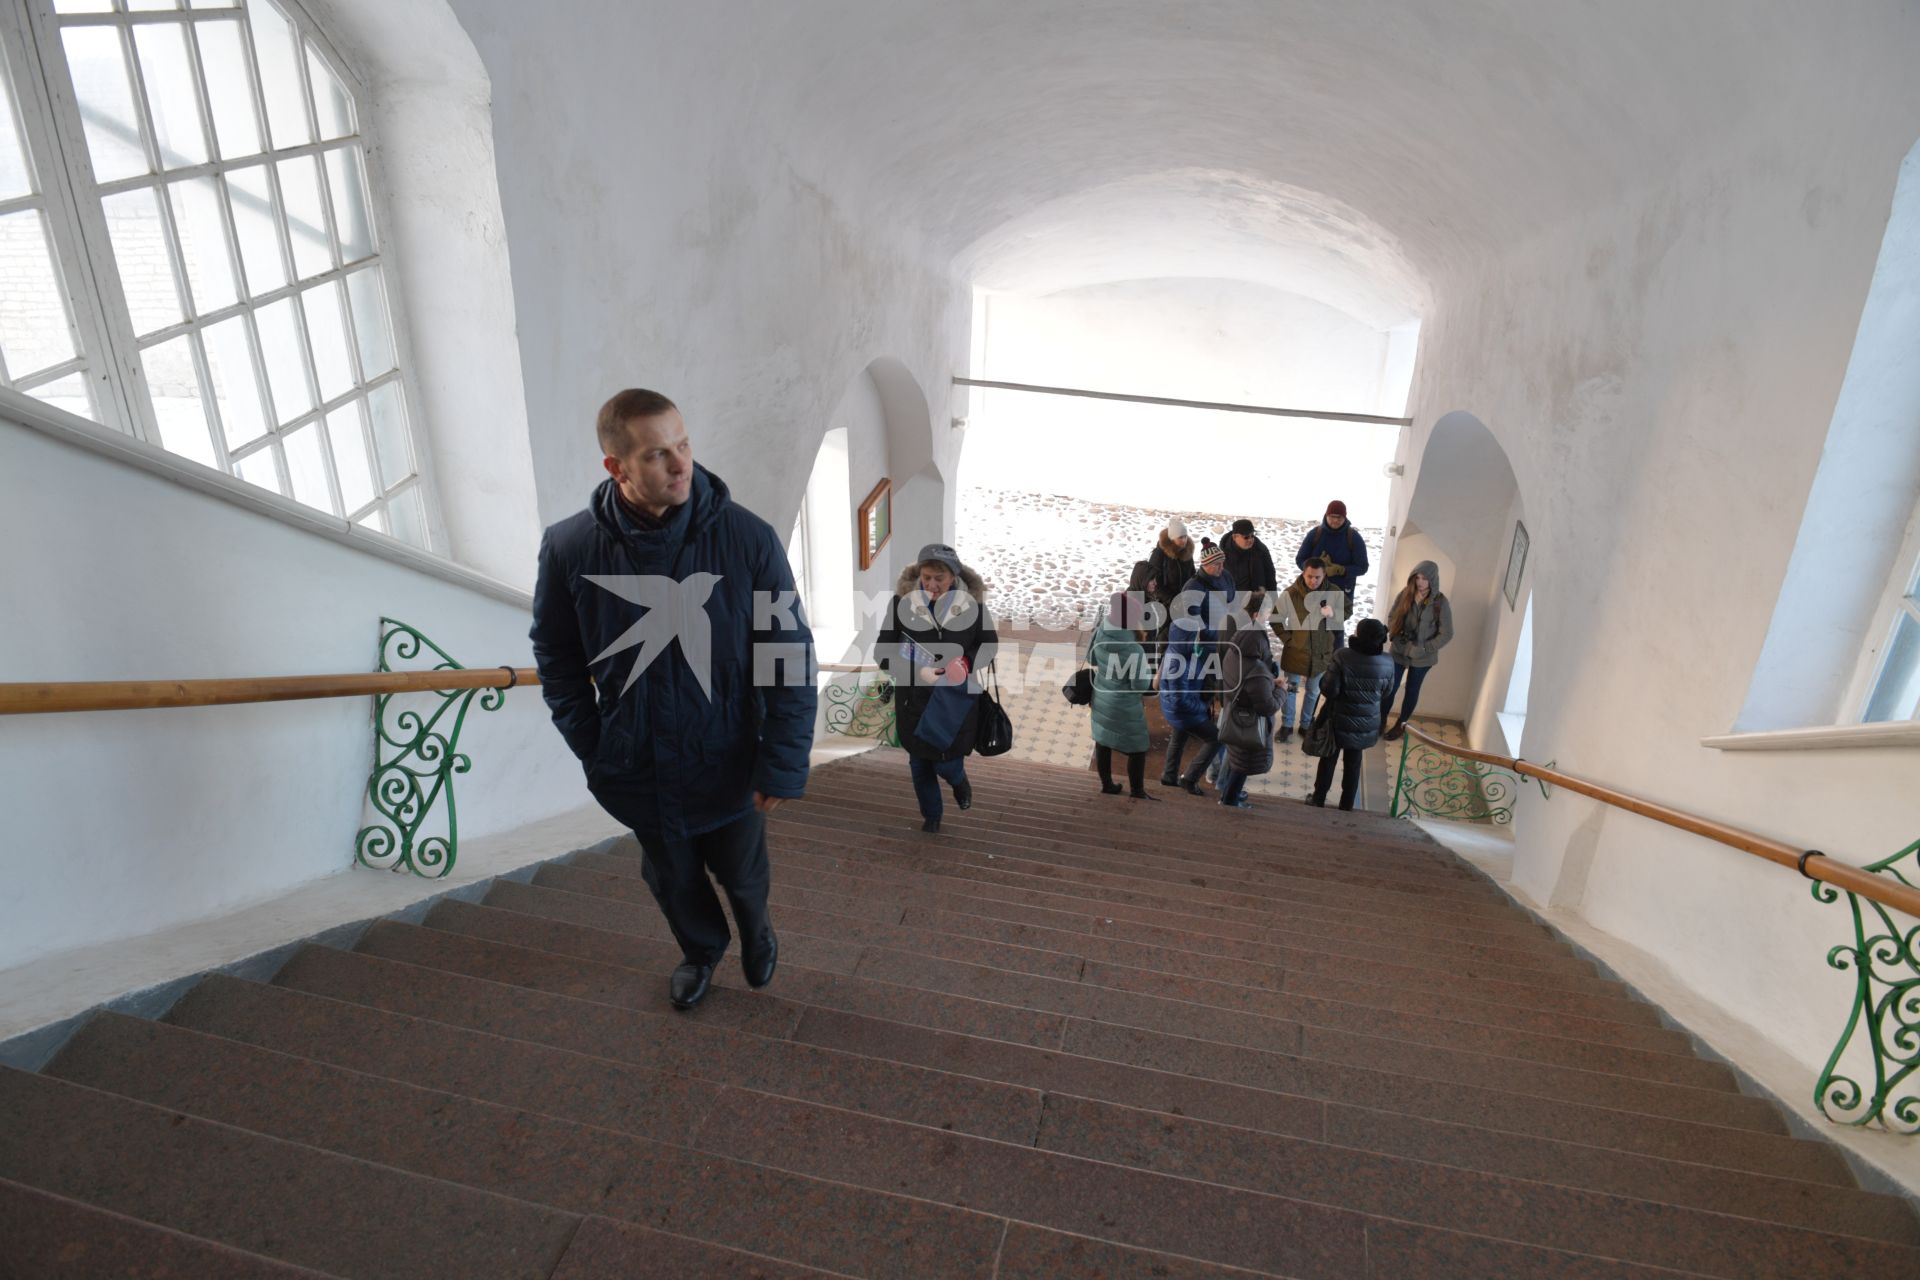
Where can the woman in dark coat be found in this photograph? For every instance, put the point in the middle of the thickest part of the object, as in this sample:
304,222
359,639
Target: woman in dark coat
1354,690
1169,568
938,635
1247,678
1191,667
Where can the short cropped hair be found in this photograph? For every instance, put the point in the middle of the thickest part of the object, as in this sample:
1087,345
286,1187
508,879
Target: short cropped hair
625,407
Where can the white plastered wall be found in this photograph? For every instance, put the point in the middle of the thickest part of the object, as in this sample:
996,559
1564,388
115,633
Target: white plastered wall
1661,372
124,823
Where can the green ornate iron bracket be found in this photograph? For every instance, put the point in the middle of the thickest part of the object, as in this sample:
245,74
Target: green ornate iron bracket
1433,784
863,709
1885,1021
414,761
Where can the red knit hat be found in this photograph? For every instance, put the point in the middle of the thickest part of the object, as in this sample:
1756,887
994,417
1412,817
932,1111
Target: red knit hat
1336,508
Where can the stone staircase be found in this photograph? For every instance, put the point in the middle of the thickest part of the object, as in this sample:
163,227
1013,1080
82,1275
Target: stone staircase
1074,1036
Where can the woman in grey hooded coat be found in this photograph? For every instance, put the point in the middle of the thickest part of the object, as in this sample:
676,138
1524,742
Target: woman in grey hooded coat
1419,626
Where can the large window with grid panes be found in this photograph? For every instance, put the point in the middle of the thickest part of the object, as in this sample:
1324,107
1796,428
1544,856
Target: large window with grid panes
188,246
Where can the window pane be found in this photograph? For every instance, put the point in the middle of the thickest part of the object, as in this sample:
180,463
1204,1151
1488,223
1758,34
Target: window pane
350,461
307,467
372,329
300,188
144,6
236,121
375,520
236,387
1896,694
286,361
408,517
327,331
273,42
390,442
74,393
172,100
332,106
203,244
348,180
258,228
174,386
258,468
140,254
16,175
101,82
212,4
83,6
35,332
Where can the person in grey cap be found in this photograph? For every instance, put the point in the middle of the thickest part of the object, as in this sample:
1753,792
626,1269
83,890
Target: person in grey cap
938,634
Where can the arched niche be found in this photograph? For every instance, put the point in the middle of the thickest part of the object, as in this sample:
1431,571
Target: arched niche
1462,515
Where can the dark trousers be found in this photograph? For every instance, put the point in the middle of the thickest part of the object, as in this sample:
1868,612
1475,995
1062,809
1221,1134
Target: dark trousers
1177,747
1415,677
926,782
1136,767
1232,784
676,871
1349,762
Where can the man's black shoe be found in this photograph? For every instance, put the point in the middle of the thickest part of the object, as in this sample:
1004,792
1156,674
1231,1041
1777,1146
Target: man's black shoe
688,986
758,960
963,795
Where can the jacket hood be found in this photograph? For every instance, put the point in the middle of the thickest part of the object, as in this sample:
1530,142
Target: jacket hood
909,582
1432,572
710,496
1174,550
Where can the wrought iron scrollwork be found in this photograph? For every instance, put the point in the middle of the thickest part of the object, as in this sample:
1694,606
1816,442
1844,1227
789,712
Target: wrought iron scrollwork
1884,1023
415,758
863,709
1433,784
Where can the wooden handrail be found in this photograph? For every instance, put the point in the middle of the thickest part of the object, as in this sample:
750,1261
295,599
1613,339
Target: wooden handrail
1810,863
133,695
136,695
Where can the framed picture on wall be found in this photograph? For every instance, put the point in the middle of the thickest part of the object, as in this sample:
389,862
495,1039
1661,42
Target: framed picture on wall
876,522
1516,564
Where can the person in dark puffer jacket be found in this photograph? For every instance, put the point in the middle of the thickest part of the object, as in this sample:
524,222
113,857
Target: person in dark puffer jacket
692,757
1191,660
1354,690
1248,680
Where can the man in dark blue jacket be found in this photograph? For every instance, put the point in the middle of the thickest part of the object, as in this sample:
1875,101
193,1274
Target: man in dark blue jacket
1342,552
678,667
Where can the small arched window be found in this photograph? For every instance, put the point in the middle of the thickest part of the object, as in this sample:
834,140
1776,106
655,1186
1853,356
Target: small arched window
190,248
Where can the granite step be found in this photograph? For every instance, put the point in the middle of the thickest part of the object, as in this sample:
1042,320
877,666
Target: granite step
1056,953
1281,1205
1230,850
653,1103
805,934
562,1166
837,867
45,1235
534,951
1435,966
281,1200
1248,1090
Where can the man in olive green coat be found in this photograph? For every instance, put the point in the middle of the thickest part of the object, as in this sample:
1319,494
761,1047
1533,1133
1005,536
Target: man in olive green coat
1307,623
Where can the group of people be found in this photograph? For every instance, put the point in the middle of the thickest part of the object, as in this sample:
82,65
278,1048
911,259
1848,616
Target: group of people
1221,607
693,751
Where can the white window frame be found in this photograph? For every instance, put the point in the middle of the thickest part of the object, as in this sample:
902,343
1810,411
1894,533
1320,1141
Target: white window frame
1901,596
58,149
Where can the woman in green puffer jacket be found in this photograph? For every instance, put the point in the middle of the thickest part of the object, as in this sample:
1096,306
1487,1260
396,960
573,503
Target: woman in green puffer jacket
1120,680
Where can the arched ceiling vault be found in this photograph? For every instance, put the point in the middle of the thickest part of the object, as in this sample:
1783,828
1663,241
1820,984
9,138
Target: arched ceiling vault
1349,150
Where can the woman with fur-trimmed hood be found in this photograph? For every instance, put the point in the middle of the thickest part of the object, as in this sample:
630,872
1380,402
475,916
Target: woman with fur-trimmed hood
938,634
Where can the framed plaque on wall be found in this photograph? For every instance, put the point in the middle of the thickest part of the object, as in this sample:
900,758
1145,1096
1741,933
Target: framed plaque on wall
1516,564
876,522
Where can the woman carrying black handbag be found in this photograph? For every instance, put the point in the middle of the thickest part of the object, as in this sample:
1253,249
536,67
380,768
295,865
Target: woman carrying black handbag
1352,693
1246,718
937,637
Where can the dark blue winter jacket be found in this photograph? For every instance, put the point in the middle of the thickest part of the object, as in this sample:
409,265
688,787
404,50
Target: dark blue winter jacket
1343,546
1193,650
662,754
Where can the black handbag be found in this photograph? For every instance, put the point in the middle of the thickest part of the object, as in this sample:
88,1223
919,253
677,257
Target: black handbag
994,736
1079,690
1318,738
1241,728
